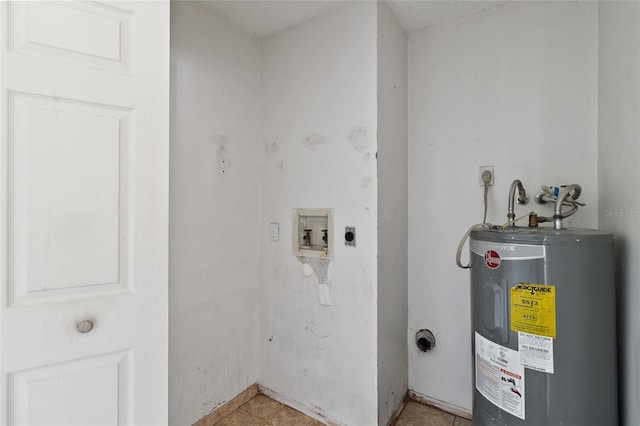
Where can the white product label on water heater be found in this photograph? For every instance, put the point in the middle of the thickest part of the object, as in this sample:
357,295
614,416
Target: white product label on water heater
536,352
500,376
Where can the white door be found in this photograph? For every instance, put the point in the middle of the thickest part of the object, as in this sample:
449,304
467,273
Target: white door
84,220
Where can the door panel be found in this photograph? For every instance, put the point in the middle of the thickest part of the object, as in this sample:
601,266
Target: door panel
69,211
97,385
84,197
94,34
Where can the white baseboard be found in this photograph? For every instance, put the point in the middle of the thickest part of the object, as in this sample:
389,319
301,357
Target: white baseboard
440,405
313,412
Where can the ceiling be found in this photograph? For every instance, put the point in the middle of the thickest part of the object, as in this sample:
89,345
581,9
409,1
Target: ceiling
263,18
416,15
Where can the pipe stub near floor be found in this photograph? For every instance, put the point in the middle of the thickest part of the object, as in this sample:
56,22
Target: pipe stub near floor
425,340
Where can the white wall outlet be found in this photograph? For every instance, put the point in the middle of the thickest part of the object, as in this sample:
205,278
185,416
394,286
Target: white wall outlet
274,231
350,236
483,175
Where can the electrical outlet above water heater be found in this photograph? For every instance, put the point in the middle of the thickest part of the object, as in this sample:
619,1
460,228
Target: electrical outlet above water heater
313,233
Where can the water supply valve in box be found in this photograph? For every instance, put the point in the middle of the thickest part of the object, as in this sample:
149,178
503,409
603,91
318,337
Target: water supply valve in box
313,233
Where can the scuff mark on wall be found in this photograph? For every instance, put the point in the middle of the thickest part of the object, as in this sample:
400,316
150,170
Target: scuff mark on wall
636,397
203,388
222,155
367,186
312,331
271,147
312,140
281,273
366,157
323,323
222,152
319,411
361,138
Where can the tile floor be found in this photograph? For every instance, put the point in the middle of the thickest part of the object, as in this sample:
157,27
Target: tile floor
415,414
264,411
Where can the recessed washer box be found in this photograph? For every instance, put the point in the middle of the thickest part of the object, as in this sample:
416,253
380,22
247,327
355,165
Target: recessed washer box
313,233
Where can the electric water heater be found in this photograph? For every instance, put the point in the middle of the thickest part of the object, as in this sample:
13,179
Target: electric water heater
544,327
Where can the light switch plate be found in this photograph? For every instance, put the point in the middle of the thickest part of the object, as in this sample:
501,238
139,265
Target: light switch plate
274,231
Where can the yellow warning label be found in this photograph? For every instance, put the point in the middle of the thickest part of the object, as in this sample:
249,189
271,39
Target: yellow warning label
533,309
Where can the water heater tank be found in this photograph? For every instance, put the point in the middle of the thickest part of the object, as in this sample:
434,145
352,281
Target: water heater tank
544,327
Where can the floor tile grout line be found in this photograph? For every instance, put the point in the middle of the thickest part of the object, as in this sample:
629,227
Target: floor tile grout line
267,421
263,422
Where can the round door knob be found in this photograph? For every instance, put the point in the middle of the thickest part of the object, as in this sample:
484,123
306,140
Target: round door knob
85,326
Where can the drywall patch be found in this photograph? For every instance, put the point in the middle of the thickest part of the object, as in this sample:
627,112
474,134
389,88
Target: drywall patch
320,268
361,138
324,296
307,270
312,140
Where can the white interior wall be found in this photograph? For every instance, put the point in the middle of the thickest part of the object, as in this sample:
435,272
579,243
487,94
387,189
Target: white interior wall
214,234
392,214
473,93
319,145
618,172
516,88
